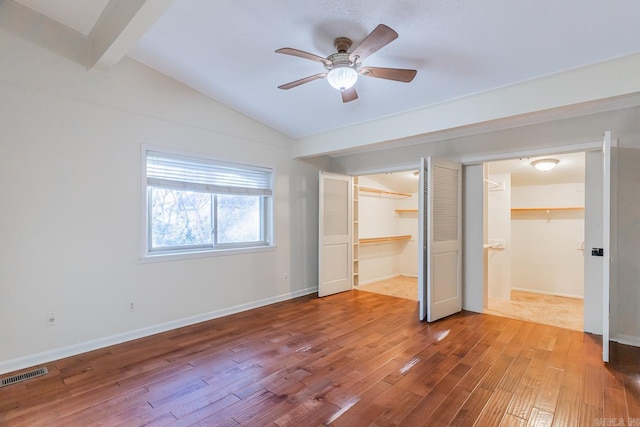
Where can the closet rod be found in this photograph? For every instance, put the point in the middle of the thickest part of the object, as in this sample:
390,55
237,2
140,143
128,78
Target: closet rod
387,192
497,184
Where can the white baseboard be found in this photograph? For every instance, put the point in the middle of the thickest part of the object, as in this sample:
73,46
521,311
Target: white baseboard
380,279
83,347
555,294
626,339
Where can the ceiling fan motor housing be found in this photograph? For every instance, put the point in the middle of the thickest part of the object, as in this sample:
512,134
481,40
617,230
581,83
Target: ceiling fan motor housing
342,44
339,60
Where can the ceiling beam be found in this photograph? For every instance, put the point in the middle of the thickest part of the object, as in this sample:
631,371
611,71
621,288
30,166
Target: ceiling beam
119,27
43,31
563,95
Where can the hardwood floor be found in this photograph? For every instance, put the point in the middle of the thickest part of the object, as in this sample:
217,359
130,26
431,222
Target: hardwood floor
356,358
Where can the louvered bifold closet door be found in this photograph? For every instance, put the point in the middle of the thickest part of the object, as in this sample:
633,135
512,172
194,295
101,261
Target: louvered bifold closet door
444,229
335,230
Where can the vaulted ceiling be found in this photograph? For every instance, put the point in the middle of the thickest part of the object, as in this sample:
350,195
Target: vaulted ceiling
461,49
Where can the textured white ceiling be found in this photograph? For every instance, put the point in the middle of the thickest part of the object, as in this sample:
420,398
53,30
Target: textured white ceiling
459,47
225,49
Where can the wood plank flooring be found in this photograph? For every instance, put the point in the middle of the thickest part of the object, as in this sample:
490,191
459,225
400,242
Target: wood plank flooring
352,359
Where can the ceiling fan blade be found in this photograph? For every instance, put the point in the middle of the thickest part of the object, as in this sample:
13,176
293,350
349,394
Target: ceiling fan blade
303,54
303,81
397,74
376,40
349,95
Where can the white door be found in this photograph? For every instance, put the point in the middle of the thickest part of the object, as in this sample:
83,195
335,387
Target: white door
335,234
439,236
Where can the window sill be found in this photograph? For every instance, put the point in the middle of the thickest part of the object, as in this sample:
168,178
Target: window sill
167,257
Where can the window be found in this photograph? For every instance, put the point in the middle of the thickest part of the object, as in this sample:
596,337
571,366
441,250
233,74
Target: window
199,204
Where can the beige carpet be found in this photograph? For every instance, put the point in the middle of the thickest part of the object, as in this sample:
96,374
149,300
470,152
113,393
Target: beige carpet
401,287
547,309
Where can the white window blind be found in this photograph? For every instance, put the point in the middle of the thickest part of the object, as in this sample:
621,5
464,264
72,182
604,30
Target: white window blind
186,173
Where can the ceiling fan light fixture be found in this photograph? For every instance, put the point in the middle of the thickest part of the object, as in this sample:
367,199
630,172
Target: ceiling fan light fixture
545,164
342,77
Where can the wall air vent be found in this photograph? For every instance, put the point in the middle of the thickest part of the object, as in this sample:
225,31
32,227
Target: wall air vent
23,376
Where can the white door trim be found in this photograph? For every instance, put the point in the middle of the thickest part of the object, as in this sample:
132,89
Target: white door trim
606,243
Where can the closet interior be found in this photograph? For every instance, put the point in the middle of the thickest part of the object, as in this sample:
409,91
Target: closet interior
385,252
534,251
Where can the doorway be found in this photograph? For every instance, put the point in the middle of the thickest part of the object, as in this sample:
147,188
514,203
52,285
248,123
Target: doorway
386,220
534,251
438,244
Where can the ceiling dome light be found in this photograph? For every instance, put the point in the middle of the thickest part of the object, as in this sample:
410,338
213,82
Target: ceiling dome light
545,164
342,77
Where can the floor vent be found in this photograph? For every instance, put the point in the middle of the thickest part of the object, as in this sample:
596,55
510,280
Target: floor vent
23,376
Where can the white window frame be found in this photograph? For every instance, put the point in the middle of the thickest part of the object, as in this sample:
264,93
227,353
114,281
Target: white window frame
171,254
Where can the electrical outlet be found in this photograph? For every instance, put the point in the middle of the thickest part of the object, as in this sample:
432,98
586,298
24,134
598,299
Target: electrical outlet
51,319
131,306
286,276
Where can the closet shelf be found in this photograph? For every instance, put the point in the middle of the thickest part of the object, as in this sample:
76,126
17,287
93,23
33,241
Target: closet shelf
566,208
385,239
385,192
405,210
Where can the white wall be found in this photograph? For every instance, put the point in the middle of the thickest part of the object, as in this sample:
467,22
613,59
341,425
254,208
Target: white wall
474,215
407,223
625,296
546,255
377,218
499,232
70,179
